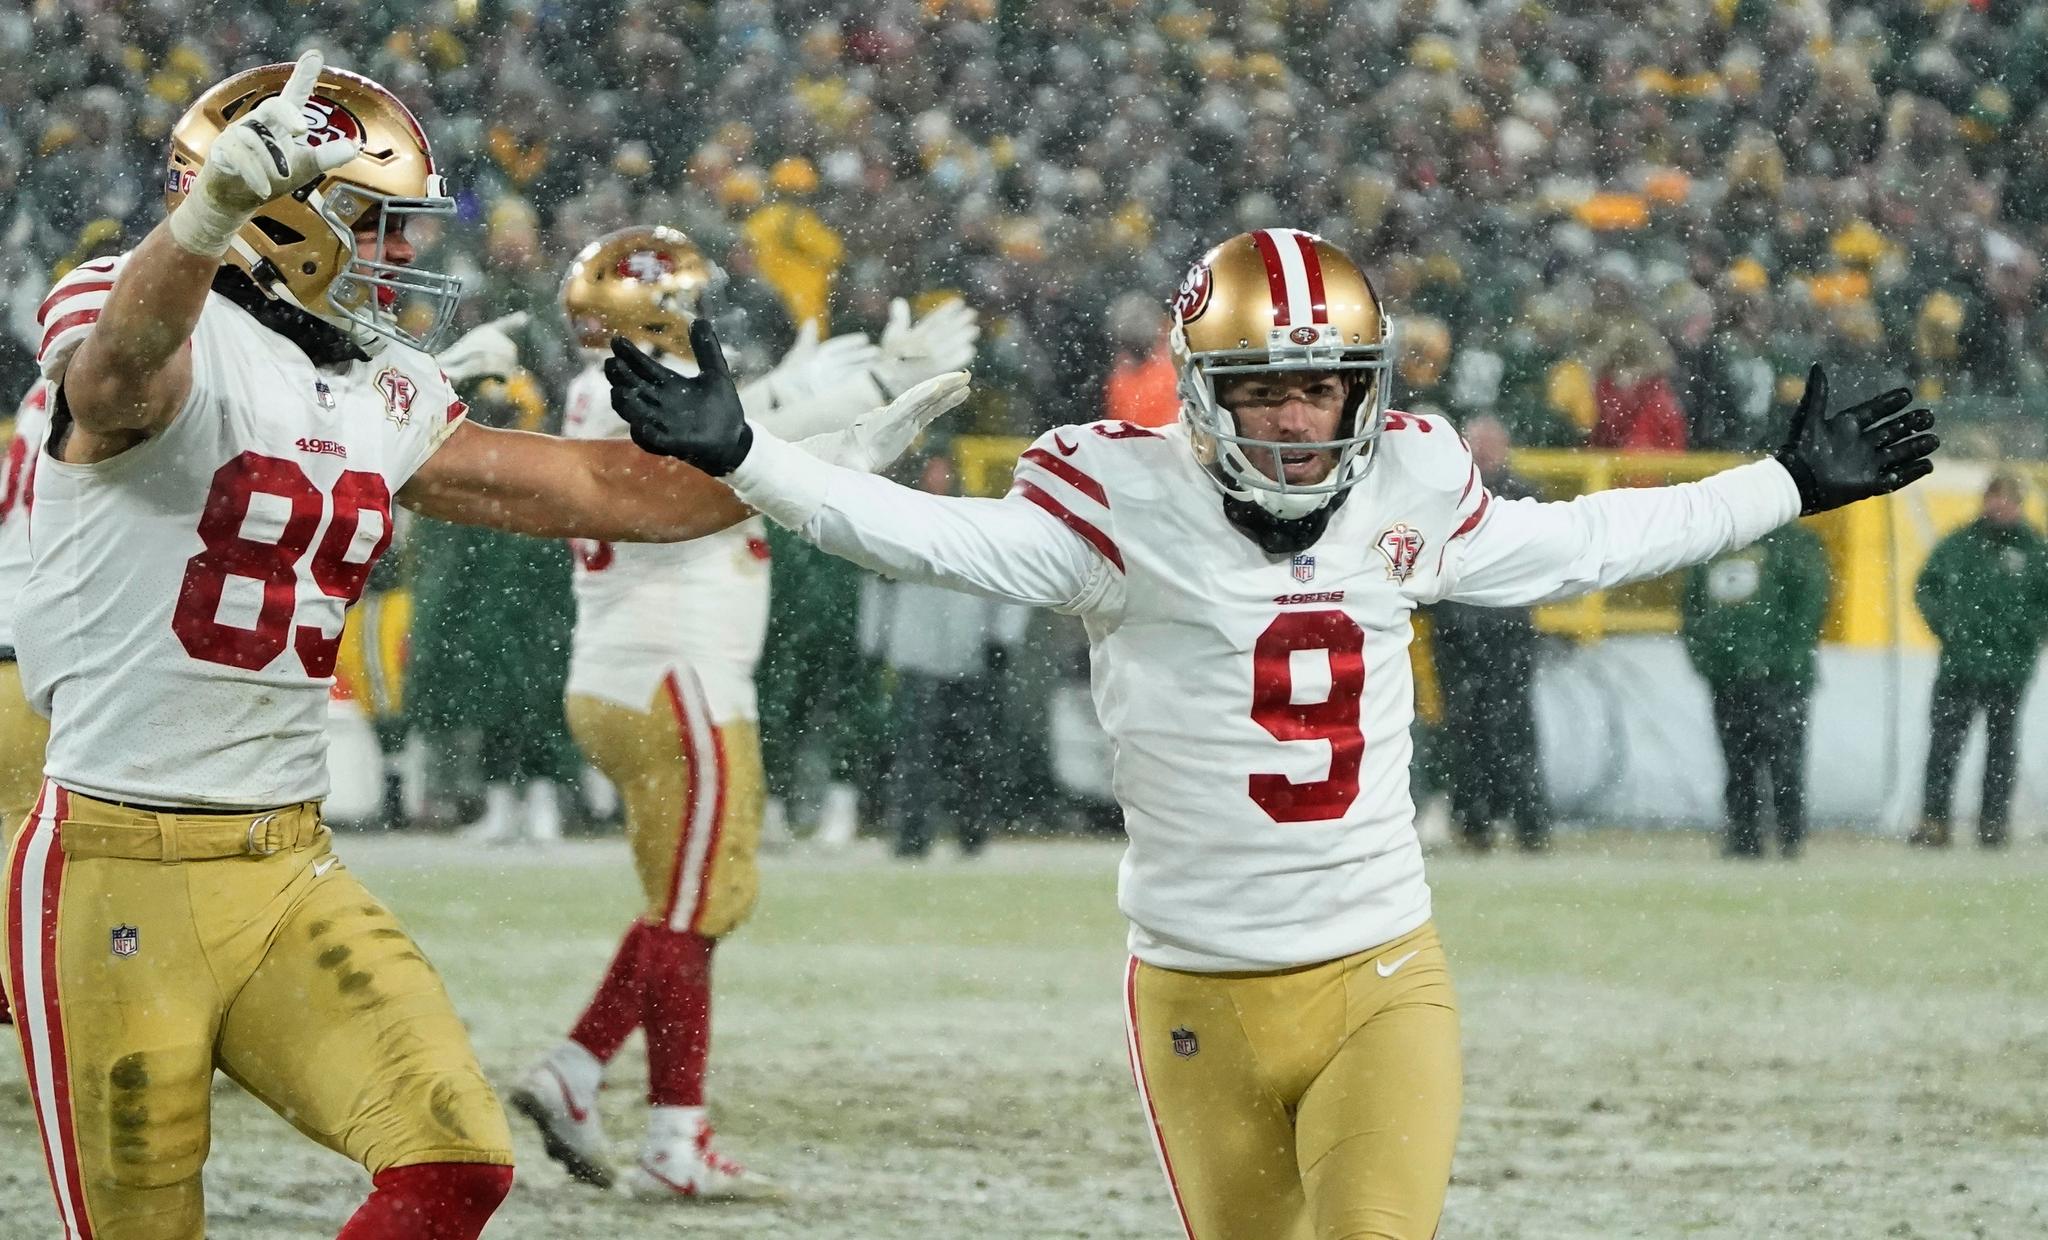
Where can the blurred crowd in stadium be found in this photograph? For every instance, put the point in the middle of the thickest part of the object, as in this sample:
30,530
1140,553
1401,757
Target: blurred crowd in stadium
1617,223
1625,225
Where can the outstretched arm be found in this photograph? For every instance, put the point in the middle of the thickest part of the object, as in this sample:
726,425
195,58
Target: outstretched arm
1006,549
1514,553
1526,551
550,487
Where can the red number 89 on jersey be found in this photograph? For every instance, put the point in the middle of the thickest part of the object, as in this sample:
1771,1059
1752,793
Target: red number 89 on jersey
229,552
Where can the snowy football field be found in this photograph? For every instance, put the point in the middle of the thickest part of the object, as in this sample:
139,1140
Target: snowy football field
1658,1045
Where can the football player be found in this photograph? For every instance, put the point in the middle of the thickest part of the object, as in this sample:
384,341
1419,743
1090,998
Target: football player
1247,578
236,404
23,732
661,699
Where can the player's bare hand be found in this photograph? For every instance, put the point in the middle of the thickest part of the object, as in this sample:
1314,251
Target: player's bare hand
1872,448
697,419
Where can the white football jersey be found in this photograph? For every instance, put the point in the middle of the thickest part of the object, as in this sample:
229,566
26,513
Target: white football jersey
646,609
17,496
182,617
1258,706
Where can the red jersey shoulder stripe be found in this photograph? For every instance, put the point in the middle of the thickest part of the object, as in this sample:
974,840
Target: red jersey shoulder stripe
1068,473
65,292
1095,537
1485,498
77,318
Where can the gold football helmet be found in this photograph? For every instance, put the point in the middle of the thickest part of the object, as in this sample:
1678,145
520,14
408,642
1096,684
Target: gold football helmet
645,283
1277,300
301,248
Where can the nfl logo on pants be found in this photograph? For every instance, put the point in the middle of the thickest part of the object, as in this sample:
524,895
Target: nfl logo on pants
125,941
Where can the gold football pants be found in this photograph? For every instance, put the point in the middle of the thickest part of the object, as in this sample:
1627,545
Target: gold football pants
1317,1102
692,793
147,950
23,736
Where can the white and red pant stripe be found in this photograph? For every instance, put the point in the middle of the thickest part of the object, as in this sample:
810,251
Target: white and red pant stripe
35,887
703,810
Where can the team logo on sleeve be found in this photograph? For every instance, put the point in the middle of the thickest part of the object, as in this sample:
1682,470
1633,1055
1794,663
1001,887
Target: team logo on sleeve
1402,545
1304,566
399,393
1184,1043
124,941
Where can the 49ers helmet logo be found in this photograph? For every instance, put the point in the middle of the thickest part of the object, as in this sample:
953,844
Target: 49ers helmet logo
327,121
646,265
1193,297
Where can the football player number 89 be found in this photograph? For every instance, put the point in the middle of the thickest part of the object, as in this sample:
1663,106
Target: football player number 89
1333,719
274,565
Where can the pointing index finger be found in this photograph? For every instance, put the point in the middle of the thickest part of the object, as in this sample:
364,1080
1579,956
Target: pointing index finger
305,75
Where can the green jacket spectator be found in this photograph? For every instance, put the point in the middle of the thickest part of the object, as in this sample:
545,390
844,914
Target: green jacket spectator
1984,592
1755,614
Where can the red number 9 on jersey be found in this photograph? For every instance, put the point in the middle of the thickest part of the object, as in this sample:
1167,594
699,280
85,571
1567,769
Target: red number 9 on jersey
1334,719
228,553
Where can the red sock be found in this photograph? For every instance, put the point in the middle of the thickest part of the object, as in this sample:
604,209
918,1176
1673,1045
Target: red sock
676,975
429,1201
614,1011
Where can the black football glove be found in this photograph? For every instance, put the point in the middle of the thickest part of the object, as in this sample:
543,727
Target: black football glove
1838,457
697,419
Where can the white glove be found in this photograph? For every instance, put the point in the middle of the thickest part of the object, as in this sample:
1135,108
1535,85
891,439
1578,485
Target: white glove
484,351
264,155
818,386
913,352
875,440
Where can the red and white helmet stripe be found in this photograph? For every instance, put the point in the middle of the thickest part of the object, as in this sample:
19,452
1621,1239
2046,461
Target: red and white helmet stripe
1294,276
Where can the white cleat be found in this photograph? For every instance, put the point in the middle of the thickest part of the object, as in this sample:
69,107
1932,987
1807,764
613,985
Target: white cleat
776,837
500,823
543,812
692,1171
569,1127
839,819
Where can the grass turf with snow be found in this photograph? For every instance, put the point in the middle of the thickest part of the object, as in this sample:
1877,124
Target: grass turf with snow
1658,1044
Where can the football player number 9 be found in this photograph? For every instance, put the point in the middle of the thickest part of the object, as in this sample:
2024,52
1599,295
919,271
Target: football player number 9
1334,719
274,565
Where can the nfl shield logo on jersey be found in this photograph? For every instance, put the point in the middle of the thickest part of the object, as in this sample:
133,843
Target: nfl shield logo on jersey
124,941
1304,567
1402,545
1184,1043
